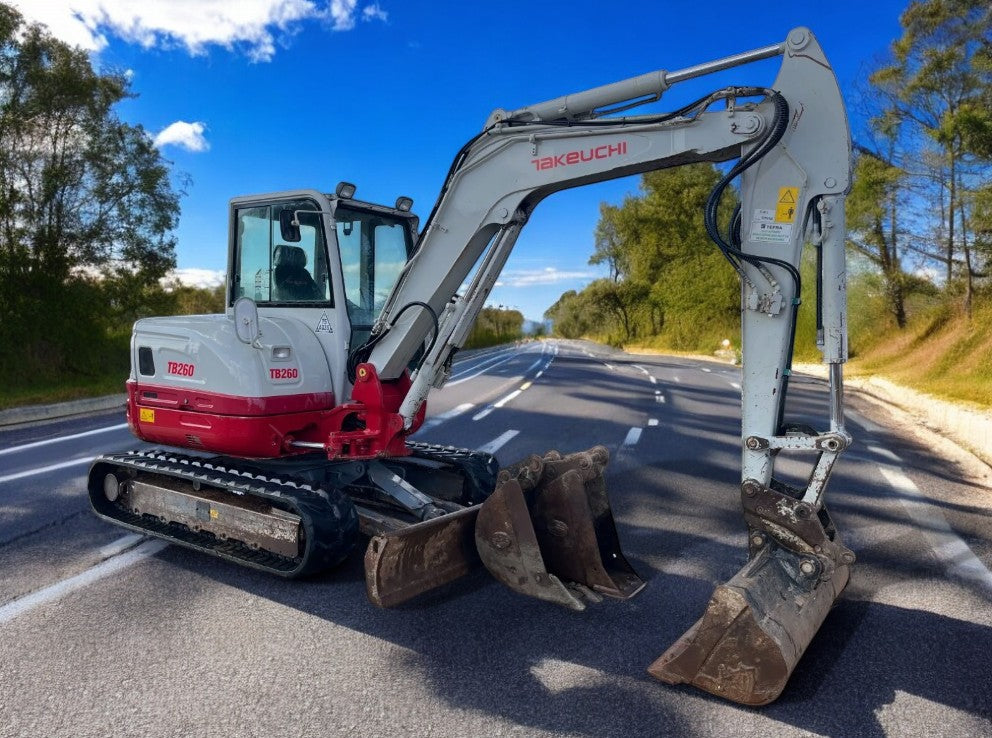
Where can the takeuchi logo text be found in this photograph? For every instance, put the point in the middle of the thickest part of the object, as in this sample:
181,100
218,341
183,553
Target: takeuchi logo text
582,155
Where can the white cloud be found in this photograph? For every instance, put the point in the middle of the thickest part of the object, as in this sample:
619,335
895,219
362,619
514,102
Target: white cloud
374,12
541,277
185,135
193,24
343,14
193,277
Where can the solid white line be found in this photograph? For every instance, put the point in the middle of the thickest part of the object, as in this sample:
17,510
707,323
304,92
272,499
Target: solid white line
104,569
633,436
494,445
652,422
120,545
43,469
36,444
480,372
959,560
435,421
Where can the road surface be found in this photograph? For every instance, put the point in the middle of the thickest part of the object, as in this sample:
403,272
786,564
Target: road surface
102,633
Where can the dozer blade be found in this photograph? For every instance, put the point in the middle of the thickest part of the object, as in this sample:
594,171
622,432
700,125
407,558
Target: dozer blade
549,533
755,628
402,564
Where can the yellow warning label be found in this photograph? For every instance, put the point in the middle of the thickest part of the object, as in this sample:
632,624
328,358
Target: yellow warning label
146,415
214,514
785,208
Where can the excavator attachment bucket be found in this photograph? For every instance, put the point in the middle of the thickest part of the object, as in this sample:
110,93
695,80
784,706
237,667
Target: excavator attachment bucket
399,565
757,626
548,531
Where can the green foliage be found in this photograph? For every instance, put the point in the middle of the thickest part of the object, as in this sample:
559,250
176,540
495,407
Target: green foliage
86,214
496,325
669,284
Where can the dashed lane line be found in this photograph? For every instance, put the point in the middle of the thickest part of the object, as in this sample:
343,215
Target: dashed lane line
633,436
437,420
497,443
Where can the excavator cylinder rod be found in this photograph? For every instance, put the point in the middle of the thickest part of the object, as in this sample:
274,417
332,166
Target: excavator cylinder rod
755,629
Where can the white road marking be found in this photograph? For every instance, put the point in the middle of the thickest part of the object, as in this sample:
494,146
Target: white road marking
884,452
958,559
44,469
482,414
58,590
703,368
676,379
638,366
435,421
735,385
36,444
609,366
497,443
120,545
538,375
864,422
633,436
474,374
526,385
652,422
654,380
660,398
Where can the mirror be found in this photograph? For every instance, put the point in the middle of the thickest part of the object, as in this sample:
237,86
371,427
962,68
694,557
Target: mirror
246,320
289,230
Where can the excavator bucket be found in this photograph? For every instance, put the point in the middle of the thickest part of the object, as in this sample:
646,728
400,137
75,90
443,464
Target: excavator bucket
757,626
548,531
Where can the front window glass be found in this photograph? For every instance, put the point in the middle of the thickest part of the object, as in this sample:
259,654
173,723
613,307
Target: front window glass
275,270
374,249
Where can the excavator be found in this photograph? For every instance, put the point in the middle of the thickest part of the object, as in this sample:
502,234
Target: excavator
287,422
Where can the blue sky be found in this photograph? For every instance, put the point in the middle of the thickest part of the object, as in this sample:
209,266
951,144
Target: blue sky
252,96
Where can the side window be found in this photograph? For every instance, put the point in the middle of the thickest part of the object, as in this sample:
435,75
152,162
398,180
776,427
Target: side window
275,271
373,252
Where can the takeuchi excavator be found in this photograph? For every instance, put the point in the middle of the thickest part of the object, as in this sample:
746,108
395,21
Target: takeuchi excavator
291,417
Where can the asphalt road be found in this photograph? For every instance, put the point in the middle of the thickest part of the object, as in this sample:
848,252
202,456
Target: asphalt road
105,634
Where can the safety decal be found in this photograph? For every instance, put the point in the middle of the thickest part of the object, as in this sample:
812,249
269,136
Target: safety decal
146,415
766,229
323,325
788,201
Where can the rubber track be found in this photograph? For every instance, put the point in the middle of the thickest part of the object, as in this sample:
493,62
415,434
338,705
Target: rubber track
329,518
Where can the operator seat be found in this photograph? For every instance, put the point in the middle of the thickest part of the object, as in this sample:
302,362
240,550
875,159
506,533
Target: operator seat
291,281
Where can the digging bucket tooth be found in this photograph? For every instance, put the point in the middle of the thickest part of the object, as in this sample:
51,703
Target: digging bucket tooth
557,541
754,631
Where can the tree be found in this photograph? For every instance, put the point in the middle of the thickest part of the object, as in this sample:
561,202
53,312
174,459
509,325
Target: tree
84,197
873,218
936,92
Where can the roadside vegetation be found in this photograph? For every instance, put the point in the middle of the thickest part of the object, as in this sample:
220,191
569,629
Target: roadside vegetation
919,218
88,209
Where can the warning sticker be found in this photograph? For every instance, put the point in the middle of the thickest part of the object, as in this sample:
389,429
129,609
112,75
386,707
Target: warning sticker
146,415
323,325
765,228
788,201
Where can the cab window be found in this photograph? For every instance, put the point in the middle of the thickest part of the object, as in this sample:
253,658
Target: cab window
273,270
374,248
